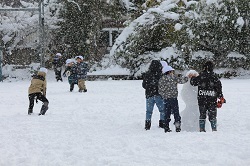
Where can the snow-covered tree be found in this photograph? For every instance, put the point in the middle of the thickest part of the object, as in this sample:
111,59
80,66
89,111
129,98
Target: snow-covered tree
221,27
159,27
19,30
216,26
81,26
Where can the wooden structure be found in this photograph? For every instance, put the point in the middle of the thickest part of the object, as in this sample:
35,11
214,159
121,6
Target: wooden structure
110,31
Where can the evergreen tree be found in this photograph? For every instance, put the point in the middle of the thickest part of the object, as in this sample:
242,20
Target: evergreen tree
82,22
152,32
78,22
221,27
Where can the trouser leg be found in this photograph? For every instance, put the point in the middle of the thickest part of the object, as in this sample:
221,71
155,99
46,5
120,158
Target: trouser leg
167,108
212,116
31,103
202,120
45,104
149,107
177,117
72,87
44,108
160,105
81,85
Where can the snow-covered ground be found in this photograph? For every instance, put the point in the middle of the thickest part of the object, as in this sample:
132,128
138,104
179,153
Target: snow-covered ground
105,127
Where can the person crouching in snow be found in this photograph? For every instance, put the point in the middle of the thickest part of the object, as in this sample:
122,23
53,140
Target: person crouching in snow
72,78
209,90
37,91
150,84
81,69
169,91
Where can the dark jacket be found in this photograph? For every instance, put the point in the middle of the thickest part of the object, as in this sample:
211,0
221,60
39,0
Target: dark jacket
151,79
57,62
72,78
209,87
80,69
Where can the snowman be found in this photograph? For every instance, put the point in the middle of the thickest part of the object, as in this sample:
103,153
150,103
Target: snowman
190,115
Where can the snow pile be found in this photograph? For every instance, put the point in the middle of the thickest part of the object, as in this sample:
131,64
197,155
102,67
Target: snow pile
147,18
15,73
166,53
112,70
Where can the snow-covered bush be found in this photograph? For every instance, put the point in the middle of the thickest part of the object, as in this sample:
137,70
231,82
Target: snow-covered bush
19,30
158,28
215,27
220,27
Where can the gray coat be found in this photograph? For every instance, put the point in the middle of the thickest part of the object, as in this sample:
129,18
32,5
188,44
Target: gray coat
168,85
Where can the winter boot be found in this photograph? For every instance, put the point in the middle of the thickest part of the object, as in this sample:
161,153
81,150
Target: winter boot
177,126
166,128
214,125
30,111
147,124
44,108
161,123
202,125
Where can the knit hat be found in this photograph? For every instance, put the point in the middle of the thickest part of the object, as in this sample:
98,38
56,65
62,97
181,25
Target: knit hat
43,69
58,54
69,61
81,57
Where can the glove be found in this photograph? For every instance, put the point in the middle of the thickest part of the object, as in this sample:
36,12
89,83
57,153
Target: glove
220,102
192,75
68,73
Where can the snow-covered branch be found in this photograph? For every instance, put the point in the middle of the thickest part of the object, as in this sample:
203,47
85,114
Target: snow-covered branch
78,6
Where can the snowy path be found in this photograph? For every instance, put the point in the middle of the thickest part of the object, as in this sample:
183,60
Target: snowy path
105,127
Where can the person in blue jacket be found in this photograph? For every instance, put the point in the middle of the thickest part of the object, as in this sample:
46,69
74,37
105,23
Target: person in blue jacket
72,77
81,69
